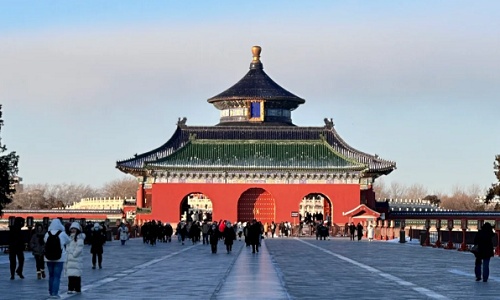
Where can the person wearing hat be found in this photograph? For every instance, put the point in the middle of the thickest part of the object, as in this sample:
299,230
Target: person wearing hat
55,266
97,240
74,262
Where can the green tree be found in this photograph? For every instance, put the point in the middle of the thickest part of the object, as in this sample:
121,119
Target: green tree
8,172
494,191
434,199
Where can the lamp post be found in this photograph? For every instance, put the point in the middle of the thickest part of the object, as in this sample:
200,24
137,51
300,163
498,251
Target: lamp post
29,223
427,232
12,219
45,222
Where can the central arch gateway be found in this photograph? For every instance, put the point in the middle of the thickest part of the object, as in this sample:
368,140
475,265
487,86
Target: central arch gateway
256,203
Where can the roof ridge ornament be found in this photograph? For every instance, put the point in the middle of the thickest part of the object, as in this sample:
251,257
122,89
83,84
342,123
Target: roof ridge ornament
256,63
329,123
181,122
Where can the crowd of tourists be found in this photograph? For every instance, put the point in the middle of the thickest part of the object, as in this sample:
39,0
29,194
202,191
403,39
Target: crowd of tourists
60,247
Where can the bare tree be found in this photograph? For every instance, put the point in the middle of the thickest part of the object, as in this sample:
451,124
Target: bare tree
125,188
463,199
45,196
415,191
380,189
397,190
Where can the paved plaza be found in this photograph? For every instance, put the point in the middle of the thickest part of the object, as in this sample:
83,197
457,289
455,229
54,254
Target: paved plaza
285,268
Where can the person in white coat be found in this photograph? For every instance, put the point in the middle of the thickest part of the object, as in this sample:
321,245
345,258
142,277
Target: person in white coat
371,232
55,266
123,230
74,262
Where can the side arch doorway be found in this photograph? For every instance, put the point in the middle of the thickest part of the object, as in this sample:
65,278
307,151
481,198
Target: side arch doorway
196,207
316,207
256,203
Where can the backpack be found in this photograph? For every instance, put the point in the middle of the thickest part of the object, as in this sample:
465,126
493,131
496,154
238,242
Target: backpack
53,249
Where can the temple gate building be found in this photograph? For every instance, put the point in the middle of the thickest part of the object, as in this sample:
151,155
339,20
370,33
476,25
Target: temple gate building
255,163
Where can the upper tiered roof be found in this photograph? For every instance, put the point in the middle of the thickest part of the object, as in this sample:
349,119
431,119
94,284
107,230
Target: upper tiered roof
256,99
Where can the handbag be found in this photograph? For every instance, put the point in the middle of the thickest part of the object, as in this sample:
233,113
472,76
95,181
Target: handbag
474,249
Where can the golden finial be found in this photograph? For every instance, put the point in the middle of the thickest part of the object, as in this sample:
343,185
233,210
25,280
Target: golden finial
256,53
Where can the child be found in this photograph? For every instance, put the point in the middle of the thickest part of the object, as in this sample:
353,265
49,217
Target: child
74,262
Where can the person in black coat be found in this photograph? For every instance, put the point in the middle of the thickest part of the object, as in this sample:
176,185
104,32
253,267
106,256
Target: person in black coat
254,232
352,230
359,229
16,248
484,241
229,237
168,232
97,240
214,234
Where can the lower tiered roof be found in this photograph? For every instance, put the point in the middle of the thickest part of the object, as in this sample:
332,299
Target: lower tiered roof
256,154
241,147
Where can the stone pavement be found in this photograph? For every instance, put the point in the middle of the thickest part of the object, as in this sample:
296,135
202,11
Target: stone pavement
285,268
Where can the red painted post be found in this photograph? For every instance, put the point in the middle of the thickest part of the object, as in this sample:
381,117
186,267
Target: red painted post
438,228
386,225
427,229
391,230
463,247
449,245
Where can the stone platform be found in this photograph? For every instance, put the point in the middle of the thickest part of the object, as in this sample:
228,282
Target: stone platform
285,268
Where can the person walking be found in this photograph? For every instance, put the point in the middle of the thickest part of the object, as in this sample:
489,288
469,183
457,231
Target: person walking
229,237
352,230
204,230
254,232
214,233
55,255
16,248
37,245
74,262
371,232
123,231
97,240
359,230
484,242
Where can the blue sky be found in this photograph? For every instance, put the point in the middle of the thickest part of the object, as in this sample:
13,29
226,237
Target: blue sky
84,84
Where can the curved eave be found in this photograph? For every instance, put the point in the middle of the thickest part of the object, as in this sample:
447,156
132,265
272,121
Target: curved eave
375,164
137,163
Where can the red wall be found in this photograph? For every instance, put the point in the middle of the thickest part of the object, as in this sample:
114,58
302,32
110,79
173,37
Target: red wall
167,198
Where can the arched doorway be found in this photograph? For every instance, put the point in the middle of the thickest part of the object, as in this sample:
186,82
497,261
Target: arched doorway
256,203
315,207
196,207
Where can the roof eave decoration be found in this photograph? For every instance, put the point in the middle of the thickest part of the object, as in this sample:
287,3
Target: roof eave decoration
361,210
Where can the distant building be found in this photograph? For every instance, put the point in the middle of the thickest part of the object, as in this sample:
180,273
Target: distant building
102,203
